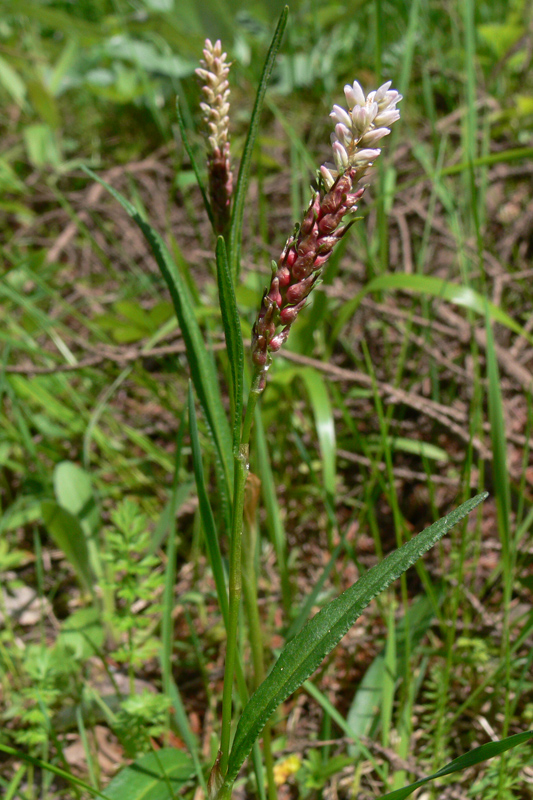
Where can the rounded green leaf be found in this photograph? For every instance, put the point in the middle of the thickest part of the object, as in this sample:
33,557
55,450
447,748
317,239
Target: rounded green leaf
156,776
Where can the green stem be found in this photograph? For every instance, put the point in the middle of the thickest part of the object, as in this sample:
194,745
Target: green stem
255,392
235,582
235,570
249,586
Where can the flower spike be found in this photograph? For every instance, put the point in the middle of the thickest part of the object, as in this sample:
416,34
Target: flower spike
357,130
213,73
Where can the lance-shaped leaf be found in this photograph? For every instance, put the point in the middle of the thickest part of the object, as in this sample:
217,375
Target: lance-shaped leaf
303,654
233,334
470,759
203,373
239,198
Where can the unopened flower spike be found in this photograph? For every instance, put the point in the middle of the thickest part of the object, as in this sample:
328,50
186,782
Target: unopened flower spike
213,73
358,128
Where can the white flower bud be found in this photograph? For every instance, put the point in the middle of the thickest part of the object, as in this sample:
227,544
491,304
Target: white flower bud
359,128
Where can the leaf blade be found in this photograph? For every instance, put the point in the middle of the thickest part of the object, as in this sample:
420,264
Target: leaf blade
455,293
232,333
473,757
303,654
202,370
237,216
157,776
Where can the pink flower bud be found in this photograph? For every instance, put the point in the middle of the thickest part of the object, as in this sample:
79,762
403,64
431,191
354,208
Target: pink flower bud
283,274
300,290
291,258
289,314
279,340
328,223
311,215
274,293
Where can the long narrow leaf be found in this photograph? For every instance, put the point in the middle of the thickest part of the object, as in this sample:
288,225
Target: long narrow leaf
20,755
208,520
306,651
233,334
469,759
435,287
188,148
202,370
325,424
235,232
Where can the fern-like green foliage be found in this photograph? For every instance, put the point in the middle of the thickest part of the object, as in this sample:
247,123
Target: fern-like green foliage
137,580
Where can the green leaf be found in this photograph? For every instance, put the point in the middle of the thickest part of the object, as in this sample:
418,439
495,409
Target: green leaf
427,284
156,776
83,632
233,334
11,81
237,216
325,425
188,148
499,446
202,368
470,759
66,531
74,493
303,654
46,765
206,513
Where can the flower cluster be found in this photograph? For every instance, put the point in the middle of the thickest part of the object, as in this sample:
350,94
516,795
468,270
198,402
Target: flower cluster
213,73
307,250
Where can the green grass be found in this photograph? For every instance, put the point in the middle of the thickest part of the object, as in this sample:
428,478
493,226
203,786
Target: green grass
404,389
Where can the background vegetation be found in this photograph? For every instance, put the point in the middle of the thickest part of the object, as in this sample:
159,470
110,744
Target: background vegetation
405,387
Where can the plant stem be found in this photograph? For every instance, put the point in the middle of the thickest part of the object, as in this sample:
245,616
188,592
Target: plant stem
235,570
249,586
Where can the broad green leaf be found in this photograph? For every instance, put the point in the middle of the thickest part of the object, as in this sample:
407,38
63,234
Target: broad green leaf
74,492
202,368
12,82
66,531
232,332
83,632
156,776
237,216
366,703
41,145
465,761
427,284
325,425
303,654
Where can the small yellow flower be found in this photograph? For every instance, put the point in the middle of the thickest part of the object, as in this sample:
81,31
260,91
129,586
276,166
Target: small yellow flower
284,769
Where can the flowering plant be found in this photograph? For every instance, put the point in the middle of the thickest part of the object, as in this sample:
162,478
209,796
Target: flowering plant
357,131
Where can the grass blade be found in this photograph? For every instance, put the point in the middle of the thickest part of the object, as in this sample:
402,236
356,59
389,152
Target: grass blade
46,765
202,370
233,334
194,165
325,425
306,651
206,513
273,511
427,284
237,216
476,756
